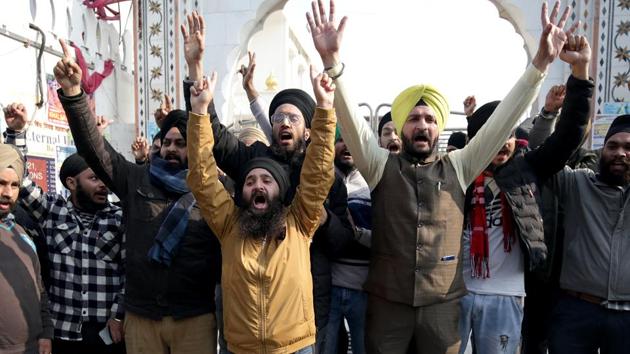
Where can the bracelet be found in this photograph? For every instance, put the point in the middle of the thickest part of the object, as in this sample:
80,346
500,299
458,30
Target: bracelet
343,67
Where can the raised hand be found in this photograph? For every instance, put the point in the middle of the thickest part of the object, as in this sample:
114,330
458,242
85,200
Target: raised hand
326,36
68,73
194,44
324,89
553,37
102,123
201,94
248,76
161,112
140,149
15,116
555,98
470,103
577,52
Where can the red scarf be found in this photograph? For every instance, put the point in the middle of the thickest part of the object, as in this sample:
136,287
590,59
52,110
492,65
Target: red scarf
479,247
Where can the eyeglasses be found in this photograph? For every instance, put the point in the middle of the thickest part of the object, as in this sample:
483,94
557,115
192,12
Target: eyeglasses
279,117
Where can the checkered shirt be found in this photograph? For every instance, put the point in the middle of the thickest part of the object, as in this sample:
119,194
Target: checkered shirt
86,261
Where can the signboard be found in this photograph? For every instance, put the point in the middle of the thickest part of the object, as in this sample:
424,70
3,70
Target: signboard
56,114
42,171
600,128
62,154
616,108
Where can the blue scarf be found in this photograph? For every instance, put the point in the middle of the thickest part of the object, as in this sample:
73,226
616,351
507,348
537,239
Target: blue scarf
174,226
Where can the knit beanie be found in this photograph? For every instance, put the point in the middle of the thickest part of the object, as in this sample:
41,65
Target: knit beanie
277,172
71,167
621,124
479,118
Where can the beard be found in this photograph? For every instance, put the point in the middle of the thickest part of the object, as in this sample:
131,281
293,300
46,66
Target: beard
12,205
85,201
293,157
612,178
258,225
411,150
344,166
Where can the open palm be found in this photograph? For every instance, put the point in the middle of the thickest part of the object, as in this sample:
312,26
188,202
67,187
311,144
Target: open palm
326,36
194,38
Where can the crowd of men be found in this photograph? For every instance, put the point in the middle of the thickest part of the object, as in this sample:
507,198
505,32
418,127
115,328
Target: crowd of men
314,233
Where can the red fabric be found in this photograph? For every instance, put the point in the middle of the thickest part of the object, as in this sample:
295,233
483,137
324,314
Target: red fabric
479,249
479,244
91,82
101,7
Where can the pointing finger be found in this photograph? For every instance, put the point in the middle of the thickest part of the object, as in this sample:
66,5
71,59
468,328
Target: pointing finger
64,48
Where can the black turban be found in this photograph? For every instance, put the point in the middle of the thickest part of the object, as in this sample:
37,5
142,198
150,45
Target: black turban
71,167
479,118
458,140
175,118
277,172
299,99
386,118
621,124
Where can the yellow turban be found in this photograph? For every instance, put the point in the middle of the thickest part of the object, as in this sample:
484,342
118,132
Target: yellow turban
407,100
10,157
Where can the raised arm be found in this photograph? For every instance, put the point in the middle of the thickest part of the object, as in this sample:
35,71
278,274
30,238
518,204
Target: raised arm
553,154
109,165
16,117
476,156
363,144
318,172
230,154
545,120
217,207
255,101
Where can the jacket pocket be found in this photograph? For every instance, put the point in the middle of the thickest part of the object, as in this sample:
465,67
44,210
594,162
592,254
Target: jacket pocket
107,247
148,205
64,237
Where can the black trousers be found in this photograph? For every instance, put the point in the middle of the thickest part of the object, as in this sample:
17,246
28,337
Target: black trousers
581,327
91,343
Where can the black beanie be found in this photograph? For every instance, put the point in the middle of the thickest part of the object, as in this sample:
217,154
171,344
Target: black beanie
384,119
299,99
479,118
72,166
521,133
175,118
621,124
277,172
458,140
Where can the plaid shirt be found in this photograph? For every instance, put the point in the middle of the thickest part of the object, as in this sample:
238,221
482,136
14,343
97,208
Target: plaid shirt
86,261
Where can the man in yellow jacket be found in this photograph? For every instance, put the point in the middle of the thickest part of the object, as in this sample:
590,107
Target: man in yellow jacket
267,286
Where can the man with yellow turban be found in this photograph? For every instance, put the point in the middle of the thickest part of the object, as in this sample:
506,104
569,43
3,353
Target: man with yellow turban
415,278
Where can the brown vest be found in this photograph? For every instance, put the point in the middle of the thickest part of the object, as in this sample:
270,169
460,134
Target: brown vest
416,235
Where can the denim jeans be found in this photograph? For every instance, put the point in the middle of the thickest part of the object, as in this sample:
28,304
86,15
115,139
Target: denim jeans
495,321
308,350
580,327
349,304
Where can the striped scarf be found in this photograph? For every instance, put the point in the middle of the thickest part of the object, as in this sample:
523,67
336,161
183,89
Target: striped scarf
479,245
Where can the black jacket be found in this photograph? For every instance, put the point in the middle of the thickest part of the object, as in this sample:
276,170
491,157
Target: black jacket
522,177
186,288
329,240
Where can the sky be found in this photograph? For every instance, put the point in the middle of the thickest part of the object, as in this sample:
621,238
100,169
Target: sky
460,46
